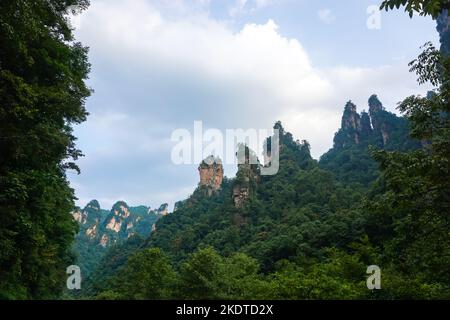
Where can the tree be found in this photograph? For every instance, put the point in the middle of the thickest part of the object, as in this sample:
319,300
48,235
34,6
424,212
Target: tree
148,274
208,275
201,275
42,94
416,193
422,7
341,276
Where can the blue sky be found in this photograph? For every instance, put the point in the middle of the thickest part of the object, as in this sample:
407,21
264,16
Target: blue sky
161,65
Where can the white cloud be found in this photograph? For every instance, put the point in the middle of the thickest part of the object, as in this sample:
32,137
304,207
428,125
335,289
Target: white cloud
154,72
326,16
244,6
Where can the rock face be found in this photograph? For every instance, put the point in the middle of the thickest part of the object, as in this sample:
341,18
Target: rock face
375,107
104,241
366,127
80,216
163,210
380,123
247,177
350,159
91,232
351,118
351,122
123,222
90,215
100,228
376,126
211,174
240,195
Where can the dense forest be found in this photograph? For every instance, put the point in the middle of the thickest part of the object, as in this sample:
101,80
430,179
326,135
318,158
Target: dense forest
305,233
380,196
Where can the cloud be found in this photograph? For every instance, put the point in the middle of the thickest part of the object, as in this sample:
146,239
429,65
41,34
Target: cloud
326,16
244,6
158,68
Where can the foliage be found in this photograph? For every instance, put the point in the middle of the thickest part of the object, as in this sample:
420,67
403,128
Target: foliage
417,184
421,7
308,232
302,235
147,275
42,94
113,258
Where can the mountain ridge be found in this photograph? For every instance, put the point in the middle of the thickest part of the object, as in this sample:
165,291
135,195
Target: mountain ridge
100,229
305,225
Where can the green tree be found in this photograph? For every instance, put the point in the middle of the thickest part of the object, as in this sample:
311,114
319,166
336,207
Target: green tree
339,276
208,275
148,274
417,184
42,94
422,7
201,275
416,194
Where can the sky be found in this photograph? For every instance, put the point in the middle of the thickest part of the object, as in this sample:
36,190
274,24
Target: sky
160,65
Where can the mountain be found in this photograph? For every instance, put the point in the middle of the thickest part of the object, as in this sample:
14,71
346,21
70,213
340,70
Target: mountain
255,214
350,159
308,232
275,221
101,229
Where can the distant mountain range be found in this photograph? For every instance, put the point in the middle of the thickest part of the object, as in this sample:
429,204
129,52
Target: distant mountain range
99,229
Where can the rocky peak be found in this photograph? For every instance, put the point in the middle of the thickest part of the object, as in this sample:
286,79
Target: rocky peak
90,215
93,204
375,105
377,125
379,116
350,130
211,174
247,176
351,121
350,118
119,213
248,163
163,209
121,209
366,127
80,216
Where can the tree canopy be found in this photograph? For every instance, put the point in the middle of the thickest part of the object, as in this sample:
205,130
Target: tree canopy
42,94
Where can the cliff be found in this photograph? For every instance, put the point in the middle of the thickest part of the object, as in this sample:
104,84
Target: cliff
350,127
211,174
99,229
350,159
375,127
247,176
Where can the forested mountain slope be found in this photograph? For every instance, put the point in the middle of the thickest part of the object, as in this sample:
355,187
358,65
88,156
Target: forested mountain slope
305,232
